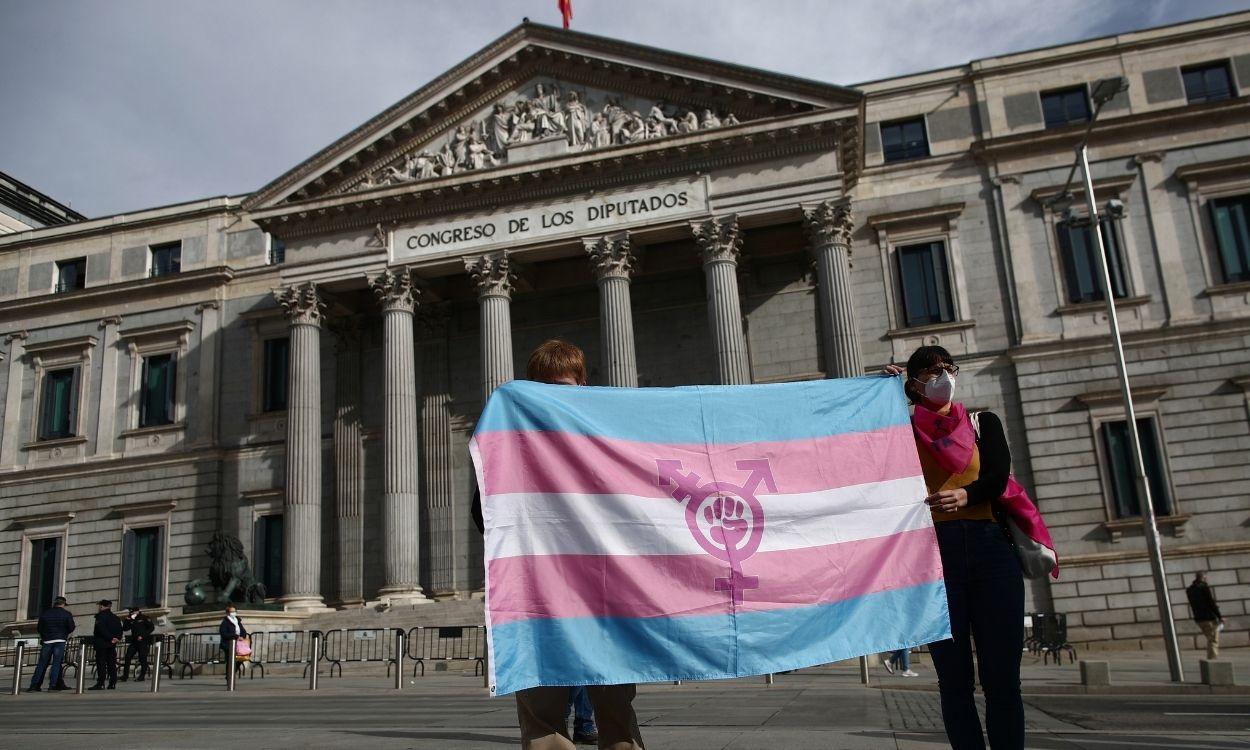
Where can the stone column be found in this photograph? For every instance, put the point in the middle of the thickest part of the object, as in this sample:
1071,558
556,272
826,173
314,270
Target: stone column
829,225
348,463
401,501
612,261
493,275
301,510
721,243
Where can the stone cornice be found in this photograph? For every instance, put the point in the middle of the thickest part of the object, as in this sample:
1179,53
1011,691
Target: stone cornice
932,214
1105,185
576,172
1196,174
96,296
1102,341
1116,129
532,49
1144,394
121,222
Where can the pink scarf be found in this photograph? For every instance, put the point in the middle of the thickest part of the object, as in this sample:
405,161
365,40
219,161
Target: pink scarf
949,438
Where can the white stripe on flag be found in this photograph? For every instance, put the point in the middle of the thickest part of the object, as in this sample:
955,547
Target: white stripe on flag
573,524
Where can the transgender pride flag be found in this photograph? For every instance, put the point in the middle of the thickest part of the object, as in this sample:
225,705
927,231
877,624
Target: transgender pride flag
652,534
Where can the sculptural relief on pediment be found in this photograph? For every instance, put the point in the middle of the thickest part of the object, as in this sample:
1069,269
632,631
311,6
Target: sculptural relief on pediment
546,111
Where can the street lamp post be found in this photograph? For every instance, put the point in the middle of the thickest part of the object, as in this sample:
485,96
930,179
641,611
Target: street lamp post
1103,93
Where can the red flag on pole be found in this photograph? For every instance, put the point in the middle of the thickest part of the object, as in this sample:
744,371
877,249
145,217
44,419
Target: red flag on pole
566,10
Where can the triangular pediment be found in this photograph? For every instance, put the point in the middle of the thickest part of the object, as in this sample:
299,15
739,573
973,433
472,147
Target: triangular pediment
540,93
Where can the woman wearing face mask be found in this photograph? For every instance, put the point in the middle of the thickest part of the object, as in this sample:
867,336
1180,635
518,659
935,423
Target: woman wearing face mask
231,629
984,584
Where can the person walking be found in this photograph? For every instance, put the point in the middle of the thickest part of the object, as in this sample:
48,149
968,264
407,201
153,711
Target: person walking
141,628
965,472
1206,613
543,712
899,660
55,625
108,631
231,629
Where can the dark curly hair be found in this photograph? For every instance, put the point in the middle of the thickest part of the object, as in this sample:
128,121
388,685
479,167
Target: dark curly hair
921,360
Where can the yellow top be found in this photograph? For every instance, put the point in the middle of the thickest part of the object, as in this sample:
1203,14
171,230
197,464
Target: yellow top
937,479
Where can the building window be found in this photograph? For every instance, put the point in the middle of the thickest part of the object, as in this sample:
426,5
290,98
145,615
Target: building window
166,259
71,275
926,284
277,353
58,404
1231,217
157,390
143,567
1209,82
277,251
1065,106
1119,457
268,562
45,561
1077,251
904,139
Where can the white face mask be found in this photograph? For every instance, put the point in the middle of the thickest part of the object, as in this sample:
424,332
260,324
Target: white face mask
941,389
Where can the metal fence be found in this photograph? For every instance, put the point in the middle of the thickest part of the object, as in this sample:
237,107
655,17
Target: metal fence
447,643
284,647
359,645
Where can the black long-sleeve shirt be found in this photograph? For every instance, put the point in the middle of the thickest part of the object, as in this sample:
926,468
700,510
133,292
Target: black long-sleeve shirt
995,460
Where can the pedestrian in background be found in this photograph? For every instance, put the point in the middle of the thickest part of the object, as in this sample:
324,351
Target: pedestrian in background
108,632
1206,613
231,629
900,660
141,629
55,625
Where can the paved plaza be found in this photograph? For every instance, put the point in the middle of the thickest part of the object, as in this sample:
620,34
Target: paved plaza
820,708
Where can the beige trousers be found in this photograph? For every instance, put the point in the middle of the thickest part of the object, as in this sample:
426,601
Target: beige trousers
543,713
1211,629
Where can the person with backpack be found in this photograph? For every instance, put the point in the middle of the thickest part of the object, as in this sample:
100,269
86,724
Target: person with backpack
966,468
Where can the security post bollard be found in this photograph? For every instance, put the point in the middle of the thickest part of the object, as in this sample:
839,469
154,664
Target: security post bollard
82,666
863,670
768,678
399,658
230,674
17,667
315,657
156,673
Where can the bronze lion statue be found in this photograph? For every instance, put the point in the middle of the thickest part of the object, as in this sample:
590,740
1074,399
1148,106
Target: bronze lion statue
228,572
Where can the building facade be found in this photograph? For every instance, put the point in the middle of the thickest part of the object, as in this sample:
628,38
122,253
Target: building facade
302,367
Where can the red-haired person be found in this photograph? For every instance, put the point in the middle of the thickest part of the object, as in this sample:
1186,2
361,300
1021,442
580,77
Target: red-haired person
543,711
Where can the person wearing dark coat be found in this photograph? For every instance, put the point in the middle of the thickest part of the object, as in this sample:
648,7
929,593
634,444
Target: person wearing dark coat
141,629
231,629
1206,612
55,625
108,632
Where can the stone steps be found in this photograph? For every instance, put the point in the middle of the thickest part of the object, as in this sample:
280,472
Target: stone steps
450,612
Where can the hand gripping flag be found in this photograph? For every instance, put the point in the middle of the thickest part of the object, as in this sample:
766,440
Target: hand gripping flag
654,534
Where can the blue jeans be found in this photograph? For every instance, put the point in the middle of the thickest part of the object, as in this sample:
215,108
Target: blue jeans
583,711
49,652
985,592
901,659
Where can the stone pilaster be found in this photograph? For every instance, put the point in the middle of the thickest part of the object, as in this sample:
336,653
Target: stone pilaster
829,226
301,541
13,398
439,475
493,275
721,243
206,407
348,463
106,420
613,262
401,501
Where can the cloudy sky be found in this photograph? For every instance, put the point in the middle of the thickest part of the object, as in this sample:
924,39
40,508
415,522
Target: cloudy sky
117,105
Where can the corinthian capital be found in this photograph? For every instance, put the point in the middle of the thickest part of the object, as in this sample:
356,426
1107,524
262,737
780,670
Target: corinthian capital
611,256
829,222
395,290
719,238
492,273
302,303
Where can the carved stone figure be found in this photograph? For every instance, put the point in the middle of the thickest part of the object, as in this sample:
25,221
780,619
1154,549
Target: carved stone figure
460,145
229,573
522,123
657,112
578,120
689,122
425,165
600,135
479,153
446,161
730,119
709,120
498,128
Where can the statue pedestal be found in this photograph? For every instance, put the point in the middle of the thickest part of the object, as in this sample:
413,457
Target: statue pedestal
256,620
542,148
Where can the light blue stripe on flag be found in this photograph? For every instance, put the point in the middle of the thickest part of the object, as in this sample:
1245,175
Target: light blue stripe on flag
597,651
701,414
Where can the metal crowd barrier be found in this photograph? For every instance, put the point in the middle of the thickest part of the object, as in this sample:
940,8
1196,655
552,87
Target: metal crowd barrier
197,650
8,651
447,643
359,645
284,647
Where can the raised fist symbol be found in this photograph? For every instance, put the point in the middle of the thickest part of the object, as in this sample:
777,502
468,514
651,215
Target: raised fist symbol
728,527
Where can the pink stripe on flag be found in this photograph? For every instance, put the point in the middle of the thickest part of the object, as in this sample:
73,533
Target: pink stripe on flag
565,462
555,586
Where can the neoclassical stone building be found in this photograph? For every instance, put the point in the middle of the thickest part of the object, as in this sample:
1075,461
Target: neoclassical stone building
302,367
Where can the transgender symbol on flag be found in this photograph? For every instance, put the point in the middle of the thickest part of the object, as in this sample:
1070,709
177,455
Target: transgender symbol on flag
727,520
